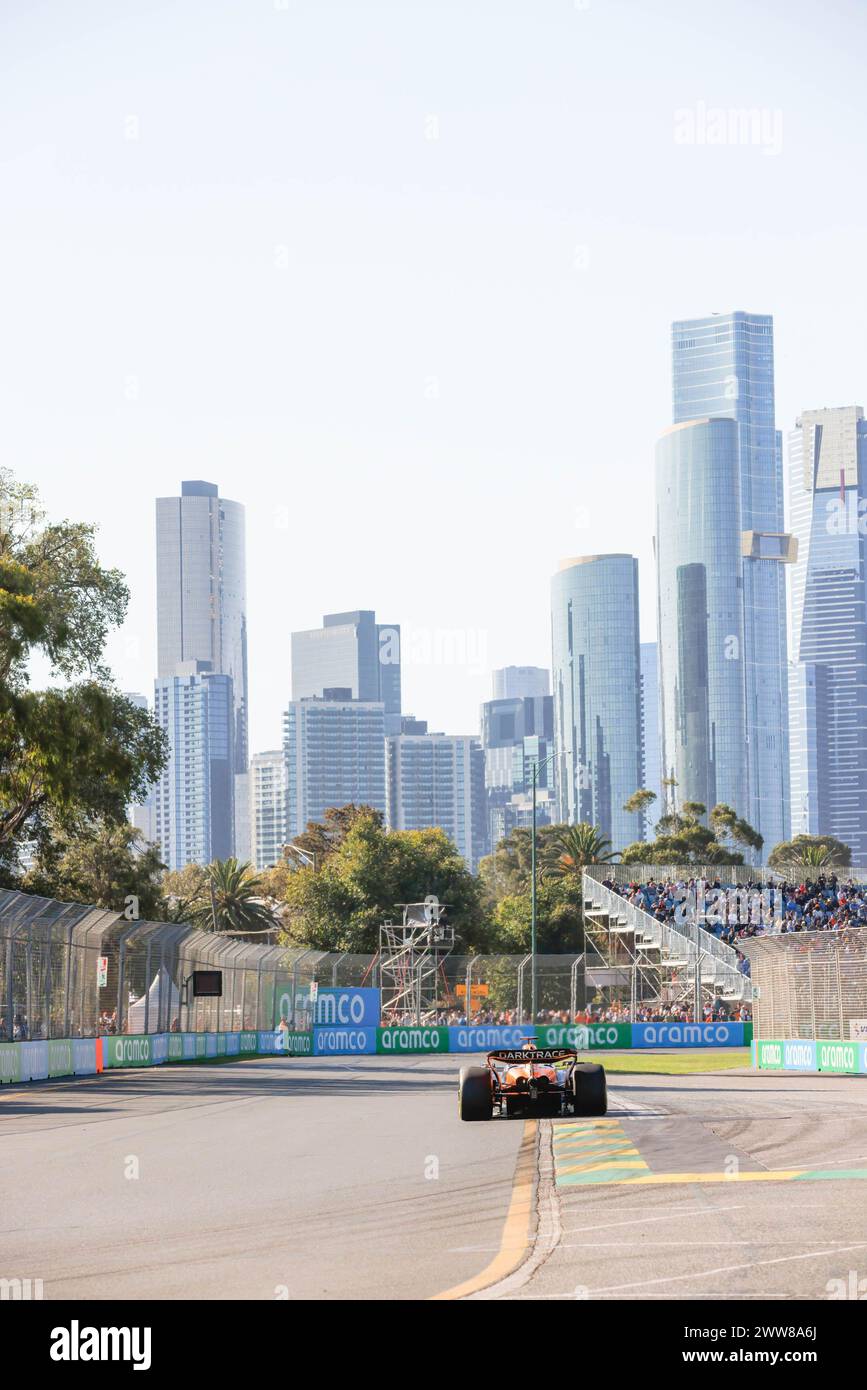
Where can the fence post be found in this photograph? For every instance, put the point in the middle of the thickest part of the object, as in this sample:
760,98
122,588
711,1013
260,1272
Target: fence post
469,986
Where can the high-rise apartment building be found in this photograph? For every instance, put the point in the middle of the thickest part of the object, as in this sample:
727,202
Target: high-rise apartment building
700,640
723,366
439,780
350,651
828,674
193,816
334,747
201,592
597,697
267,803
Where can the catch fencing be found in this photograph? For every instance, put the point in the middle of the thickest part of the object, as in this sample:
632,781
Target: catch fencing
809,985
69,970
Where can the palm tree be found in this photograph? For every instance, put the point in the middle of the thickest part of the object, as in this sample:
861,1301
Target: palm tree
811,857
573,848
231,901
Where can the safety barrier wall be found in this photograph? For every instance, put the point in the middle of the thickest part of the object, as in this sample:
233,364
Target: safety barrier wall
36,1061
810,1055
484,1038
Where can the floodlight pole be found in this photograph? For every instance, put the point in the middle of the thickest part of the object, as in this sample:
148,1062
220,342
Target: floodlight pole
533,971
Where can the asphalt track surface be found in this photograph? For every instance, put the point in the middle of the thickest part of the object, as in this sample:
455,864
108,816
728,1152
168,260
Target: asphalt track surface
353,1178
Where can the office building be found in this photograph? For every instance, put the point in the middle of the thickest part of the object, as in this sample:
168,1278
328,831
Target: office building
350,651
520,682
723,366
201,592
650,745
700,619
597,696
516,733
828,684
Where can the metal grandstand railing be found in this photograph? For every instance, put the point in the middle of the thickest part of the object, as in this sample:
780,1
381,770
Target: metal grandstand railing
625,933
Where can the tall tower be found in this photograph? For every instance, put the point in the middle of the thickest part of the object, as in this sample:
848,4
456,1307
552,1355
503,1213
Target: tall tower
700,619
202,592
828,681
723,365
597,700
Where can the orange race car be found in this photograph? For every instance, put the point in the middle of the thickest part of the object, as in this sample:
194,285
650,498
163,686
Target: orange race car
531,1080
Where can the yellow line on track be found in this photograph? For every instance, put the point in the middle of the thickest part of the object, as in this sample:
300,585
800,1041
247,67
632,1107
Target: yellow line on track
518,1230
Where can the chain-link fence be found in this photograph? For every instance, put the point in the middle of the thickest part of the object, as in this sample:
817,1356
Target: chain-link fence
68,970
808,984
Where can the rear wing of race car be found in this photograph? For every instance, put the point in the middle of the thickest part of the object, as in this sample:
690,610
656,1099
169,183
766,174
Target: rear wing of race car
537,1054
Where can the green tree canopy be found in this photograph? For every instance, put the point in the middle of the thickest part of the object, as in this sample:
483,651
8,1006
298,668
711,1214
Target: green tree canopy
681,838
559,919
341,906
104,864
507,871
75,756
810,852
322,838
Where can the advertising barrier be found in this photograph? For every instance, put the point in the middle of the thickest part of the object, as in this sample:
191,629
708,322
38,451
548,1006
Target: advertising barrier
41,1059
345,1042
412,1038
355,1008
811,1054
587,1037
689,1034
484,1037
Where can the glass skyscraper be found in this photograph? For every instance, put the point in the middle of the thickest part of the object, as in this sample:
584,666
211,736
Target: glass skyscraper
516,732
351,651
700,620
828,684
723,365
597,711
201,592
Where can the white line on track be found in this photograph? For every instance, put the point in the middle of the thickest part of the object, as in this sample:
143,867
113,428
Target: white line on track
646,1220
704,1273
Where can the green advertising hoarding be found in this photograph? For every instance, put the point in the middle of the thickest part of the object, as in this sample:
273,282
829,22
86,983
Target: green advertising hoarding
586,1037
298,1044
10,1062
60,1061
769,1054
412,1037
837,1056
136,1050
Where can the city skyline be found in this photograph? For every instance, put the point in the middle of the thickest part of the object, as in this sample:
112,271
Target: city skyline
449,300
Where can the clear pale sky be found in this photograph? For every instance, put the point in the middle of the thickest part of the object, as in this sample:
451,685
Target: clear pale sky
399,277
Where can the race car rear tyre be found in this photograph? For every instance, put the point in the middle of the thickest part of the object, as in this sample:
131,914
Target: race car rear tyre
589,1092
475,1100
